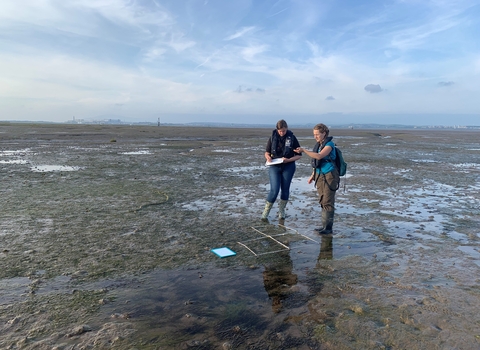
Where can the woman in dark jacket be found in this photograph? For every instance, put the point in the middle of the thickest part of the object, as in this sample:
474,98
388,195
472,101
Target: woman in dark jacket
280,147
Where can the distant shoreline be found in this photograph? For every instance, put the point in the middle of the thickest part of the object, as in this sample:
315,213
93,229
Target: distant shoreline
356,126
121,133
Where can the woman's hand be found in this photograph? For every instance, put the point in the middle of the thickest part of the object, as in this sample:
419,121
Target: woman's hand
310,179
298,150
268,157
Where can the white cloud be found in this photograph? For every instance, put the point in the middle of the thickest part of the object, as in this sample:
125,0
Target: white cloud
154,53
179,44
248,53
239,33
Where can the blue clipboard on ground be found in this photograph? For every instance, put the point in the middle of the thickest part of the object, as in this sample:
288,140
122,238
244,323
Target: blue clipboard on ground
223,252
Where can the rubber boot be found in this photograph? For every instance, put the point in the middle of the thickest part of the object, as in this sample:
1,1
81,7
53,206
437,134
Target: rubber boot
327,222
266,211
281,209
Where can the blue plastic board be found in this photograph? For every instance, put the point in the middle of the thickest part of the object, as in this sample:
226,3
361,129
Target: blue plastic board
223,252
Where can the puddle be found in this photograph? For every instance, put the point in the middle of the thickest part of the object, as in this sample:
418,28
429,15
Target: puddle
424,161
211,308
12,289
20,152
48,168
467,165
14,161
243,171
140,152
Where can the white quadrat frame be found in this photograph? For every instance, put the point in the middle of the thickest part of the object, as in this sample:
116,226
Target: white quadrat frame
286,248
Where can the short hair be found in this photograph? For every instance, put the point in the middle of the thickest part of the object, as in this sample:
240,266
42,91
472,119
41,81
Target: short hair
281,124
322,128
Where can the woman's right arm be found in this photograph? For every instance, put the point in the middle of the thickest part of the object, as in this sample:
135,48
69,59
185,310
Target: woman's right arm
325,152
268,150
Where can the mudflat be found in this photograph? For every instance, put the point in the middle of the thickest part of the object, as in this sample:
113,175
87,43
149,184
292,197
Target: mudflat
106,235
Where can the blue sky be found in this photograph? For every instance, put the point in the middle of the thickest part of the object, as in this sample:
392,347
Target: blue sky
241,61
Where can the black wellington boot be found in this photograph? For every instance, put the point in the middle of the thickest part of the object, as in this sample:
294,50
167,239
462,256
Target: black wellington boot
327,222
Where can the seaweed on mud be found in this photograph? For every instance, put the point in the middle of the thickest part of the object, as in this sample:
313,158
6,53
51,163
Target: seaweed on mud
295,300
237,322
61,311
383,237
315,283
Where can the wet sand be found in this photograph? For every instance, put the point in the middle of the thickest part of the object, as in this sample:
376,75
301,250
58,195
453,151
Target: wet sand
106,234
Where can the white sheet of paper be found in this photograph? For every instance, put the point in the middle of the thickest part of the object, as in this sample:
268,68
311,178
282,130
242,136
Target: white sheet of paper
275,161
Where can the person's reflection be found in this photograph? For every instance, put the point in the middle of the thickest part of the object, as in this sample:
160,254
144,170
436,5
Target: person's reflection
278,279
326,248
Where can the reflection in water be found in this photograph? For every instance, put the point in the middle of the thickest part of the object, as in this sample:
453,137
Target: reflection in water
326,248
278,279
278,276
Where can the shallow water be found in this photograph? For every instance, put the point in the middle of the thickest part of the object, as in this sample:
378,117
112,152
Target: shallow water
110,247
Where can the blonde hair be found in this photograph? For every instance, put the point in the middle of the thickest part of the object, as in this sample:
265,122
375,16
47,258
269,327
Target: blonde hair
322,128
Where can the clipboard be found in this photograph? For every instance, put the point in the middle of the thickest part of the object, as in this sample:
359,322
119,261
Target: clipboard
223,252
275,161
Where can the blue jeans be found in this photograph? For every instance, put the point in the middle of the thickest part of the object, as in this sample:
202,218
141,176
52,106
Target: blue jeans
281,176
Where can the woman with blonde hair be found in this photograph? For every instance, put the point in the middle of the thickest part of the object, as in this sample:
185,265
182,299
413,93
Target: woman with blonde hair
325,174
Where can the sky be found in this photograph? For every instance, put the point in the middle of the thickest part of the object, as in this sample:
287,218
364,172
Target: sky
241,61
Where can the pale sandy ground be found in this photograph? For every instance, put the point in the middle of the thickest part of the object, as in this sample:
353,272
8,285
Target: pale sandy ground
106,234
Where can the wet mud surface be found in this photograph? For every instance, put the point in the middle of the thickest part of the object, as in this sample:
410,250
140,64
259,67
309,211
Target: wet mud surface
106,232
